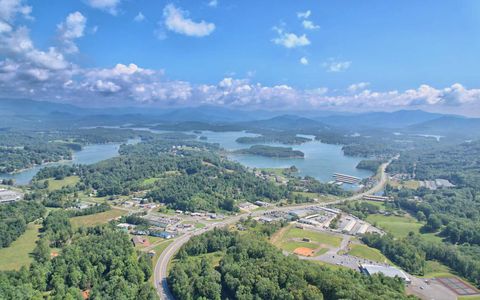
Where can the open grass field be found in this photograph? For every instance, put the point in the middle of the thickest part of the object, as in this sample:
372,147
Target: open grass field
366,252
314,236
291,238
54,185
436,269
319,197
400,226
379,205
18,254
476,297
396,225
407,184
97,219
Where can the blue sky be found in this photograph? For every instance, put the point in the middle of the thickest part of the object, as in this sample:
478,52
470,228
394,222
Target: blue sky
339,54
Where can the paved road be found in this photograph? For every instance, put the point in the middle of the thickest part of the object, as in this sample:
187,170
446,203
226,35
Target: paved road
160,273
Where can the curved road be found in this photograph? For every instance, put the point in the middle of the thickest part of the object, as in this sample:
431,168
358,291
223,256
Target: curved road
161,272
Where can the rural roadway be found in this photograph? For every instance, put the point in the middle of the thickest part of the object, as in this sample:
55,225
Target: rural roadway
161,267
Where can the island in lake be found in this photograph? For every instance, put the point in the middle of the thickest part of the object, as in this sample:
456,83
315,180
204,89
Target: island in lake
269,151
287,139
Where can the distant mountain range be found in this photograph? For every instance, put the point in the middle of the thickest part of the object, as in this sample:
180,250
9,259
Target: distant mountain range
16,112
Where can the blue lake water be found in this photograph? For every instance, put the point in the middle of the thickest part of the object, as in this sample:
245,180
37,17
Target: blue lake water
321,160
88,155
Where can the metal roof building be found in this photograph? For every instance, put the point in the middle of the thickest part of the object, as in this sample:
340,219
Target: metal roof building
385,270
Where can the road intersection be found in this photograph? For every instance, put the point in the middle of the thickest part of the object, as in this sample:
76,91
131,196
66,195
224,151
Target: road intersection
161,267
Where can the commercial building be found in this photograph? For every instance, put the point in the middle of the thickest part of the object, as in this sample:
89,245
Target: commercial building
385,270
8,196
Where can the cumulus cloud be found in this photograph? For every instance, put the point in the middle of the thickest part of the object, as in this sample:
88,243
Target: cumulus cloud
110,6
177,20
307,24
72,29
304,14
139,17
290,40
9,9
46,74
336,66
213,3
358,86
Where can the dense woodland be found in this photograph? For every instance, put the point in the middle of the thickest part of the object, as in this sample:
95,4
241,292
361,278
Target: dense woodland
251,268
188,175
283,138
99,262
460,164
25,149
270,151
14,218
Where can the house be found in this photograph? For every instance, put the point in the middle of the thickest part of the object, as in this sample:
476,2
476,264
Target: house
140,241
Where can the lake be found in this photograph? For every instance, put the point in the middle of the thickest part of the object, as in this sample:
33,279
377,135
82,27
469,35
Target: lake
88,155
321,160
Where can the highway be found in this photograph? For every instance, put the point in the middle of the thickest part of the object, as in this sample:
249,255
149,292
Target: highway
161,267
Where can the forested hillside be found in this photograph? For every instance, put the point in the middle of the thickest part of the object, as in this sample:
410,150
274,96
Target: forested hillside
14,218
251,268
99,262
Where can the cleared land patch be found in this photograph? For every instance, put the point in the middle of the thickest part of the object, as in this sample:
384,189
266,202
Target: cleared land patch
399,226
54,184
18,253
366,252
291,239
97,219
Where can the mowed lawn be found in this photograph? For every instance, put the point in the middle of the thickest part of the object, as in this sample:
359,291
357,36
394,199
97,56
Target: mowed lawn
363,251
291,238
436,269
396,225
97,219
54,185
18,254
314,236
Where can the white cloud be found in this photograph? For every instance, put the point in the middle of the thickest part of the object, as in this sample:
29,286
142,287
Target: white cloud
5,27
105,87
336,66
110,6
358,86
290,40
307,24
304,61
177,21
38,74
304,14
10,8
139,17
45,74
213,3
73,28
52,59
